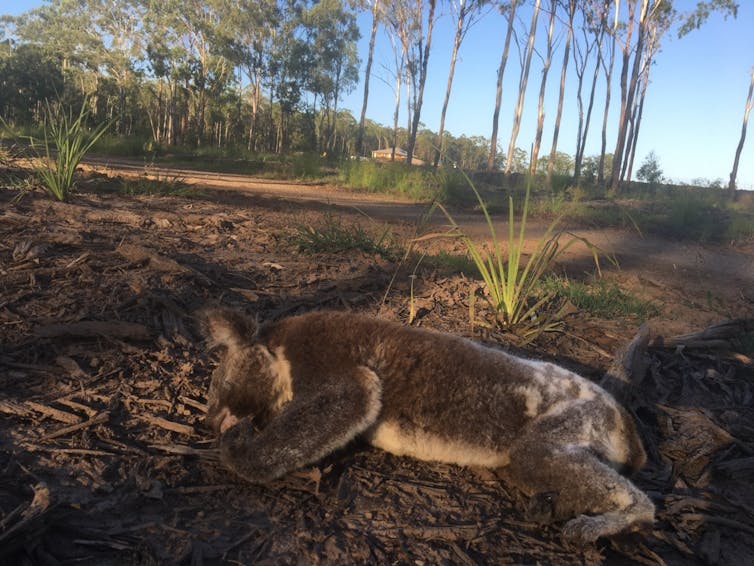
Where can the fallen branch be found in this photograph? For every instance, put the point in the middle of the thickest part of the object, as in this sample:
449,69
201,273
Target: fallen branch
99,419
38,507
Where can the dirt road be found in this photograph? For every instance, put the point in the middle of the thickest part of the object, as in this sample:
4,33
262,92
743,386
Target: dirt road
709,281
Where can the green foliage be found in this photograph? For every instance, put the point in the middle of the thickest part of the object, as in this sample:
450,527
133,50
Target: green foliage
599,298
66,140
452,263
151,186
704,8
512,286
650,170
408,181
333,236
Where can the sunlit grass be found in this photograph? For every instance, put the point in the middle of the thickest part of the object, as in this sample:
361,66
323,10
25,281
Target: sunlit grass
65,142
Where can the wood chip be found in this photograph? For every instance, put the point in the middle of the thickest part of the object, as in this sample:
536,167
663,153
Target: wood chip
167,425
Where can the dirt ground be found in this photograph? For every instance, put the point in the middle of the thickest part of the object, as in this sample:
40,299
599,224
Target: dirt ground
105,459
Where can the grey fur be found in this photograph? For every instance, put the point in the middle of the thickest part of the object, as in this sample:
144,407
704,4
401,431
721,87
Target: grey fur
286,394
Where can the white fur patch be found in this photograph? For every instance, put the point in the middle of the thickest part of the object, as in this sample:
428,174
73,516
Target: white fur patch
389,436
532,399
282,384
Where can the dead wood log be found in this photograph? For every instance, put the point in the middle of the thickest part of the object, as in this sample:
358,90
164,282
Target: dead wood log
716,337
93,328
629,367
10,537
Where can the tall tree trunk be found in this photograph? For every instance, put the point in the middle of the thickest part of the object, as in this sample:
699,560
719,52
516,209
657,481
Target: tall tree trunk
499,91
522,87
422,80
454,55
628,91
739,148
588,119
396,111
637,125
367,72
561,91
608,69
542,87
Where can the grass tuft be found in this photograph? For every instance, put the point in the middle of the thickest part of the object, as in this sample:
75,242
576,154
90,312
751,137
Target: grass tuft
65,142
600,298
333,235
512,286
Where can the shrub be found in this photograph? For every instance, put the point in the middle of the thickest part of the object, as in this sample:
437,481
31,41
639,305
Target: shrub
65,141
513,288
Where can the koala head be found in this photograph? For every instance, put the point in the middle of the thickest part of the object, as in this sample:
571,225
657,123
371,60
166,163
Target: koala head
242,383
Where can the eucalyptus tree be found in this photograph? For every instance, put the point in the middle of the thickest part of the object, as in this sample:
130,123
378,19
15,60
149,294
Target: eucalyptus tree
542,86
658,24
591,46
509,11
571,6
523,80
376,15
602,11
249,43
185,44
467,13
331,36
640,15
63,29
747,109
28,77
414,31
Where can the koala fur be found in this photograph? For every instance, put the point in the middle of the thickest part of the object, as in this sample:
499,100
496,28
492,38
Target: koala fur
288,393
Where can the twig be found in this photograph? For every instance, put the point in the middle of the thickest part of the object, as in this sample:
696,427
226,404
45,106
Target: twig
98,419
76,451
167,425
184,450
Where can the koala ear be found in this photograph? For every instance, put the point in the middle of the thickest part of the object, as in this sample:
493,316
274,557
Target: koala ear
227,327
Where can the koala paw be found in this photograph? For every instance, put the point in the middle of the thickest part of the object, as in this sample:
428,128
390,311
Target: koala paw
584,529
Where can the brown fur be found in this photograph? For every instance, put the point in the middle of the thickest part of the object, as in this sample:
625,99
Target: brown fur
288,393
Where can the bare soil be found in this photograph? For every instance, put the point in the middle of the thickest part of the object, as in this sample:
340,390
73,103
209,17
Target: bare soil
105,459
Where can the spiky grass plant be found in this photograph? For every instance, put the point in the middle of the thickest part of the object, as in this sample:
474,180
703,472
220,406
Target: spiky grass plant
66,140
512,286
333,235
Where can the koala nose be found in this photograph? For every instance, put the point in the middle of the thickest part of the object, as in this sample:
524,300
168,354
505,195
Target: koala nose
221,420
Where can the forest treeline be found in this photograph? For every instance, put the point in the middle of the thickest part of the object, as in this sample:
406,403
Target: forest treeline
270,75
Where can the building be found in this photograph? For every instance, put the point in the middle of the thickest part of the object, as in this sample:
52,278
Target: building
400,155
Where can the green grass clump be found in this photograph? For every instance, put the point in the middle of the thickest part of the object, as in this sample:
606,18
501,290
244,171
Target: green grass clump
65,141
512,286
447,262
407,181
160,186
600,298
332,235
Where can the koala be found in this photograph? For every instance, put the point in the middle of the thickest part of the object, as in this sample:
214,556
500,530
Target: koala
285,394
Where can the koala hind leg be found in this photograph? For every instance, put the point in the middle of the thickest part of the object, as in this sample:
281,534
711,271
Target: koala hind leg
309,427
580,487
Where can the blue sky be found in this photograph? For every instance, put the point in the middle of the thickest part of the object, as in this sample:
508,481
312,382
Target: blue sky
692,116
